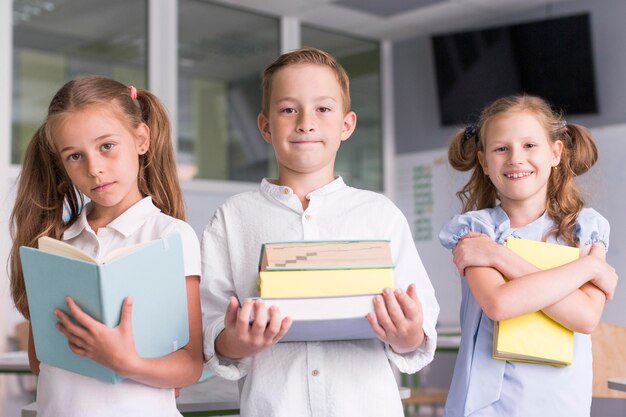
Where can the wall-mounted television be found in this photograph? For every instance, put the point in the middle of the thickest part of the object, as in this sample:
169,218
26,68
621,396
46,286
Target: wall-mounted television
550,58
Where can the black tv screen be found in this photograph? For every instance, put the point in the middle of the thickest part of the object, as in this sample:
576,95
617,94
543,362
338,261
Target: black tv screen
551,58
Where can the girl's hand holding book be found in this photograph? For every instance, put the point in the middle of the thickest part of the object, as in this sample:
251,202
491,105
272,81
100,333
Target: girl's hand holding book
113,348
475,249
399,319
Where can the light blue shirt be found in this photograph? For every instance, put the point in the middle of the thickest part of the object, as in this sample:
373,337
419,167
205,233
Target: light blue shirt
483,386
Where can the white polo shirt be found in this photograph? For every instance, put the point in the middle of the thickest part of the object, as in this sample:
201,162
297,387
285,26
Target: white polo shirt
66,394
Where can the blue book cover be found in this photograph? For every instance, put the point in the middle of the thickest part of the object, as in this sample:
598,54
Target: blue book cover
153,274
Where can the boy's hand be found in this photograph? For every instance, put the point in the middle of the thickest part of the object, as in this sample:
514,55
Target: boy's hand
113,348
398,320
242,337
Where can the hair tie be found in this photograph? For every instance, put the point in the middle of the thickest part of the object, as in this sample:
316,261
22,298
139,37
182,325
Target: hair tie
471,131
562,130
133,92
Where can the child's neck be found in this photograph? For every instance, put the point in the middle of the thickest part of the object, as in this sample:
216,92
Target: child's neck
522,213
304,184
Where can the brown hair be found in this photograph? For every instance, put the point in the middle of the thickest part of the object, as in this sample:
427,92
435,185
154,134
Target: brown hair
45,191
306,56
564,200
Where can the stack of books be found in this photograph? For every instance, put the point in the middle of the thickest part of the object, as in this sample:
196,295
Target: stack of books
535,337
326,287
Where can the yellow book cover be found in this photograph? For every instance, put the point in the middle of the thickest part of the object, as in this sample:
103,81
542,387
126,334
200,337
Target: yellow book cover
324,282
535,337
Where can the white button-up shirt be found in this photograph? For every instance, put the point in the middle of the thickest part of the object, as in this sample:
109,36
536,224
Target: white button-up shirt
317,379
67,394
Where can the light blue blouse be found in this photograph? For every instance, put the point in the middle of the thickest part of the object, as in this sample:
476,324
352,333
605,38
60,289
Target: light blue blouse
482,386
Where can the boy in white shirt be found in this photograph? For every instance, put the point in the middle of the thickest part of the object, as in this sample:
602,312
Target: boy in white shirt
305,117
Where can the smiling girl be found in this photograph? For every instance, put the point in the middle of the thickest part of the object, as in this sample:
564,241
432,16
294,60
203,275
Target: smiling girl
524,158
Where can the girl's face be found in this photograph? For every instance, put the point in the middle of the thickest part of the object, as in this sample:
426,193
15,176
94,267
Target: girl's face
101,157
518,158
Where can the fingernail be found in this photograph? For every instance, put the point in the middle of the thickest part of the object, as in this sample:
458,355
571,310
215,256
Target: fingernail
387,290
399,291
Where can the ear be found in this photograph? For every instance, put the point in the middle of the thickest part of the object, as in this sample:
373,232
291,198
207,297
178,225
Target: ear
557,150
142,138
263,124
348,126
483,161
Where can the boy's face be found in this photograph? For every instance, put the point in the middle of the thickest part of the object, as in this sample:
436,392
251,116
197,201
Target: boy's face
306,122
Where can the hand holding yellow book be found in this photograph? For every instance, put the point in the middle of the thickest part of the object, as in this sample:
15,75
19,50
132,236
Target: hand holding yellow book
535,337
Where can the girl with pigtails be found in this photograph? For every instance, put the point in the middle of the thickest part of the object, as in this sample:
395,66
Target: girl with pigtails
524,157
112,144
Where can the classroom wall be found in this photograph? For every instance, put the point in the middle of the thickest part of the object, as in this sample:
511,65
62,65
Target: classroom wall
416,109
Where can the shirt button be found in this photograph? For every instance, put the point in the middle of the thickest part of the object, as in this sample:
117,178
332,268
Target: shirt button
286,191
307,216
315,372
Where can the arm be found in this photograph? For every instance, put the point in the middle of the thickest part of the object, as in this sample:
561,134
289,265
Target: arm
33,362
115,349
501,299
405,318
580,311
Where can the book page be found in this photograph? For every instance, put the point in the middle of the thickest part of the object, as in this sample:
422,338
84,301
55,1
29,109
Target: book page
119,252
58,247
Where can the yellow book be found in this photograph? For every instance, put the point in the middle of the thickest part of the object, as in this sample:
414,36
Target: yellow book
324,282
535,337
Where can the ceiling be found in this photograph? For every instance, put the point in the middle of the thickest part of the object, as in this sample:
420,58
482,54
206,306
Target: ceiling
396,19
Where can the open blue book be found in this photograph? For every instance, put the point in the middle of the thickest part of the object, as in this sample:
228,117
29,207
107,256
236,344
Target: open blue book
152,273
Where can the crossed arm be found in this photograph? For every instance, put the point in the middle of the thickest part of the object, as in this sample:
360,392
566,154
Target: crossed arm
573,294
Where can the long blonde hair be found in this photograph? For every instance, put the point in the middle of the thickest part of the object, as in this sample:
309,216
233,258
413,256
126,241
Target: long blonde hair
564,200
45,191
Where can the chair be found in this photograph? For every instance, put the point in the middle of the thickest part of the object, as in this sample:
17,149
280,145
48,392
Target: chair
609,358
435,398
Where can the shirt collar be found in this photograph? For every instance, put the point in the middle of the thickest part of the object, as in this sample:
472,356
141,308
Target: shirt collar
282,192
126,224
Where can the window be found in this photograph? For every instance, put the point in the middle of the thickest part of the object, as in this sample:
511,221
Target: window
359,160
55,41
222,55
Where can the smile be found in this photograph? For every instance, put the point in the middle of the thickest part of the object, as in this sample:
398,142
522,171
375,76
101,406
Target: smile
516,175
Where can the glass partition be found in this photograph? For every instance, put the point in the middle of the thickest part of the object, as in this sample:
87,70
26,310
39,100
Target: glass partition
57,40
359,160
222,55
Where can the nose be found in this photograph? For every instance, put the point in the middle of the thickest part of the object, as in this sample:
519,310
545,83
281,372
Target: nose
305,123
515,156
94,167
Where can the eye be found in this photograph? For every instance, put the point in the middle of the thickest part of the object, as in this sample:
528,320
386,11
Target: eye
106,146
500,149
324,109
531,145
74,157
288,110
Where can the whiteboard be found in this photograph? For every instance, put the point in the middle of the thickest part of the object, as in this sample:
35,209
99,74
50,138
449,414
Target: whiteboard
425,192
